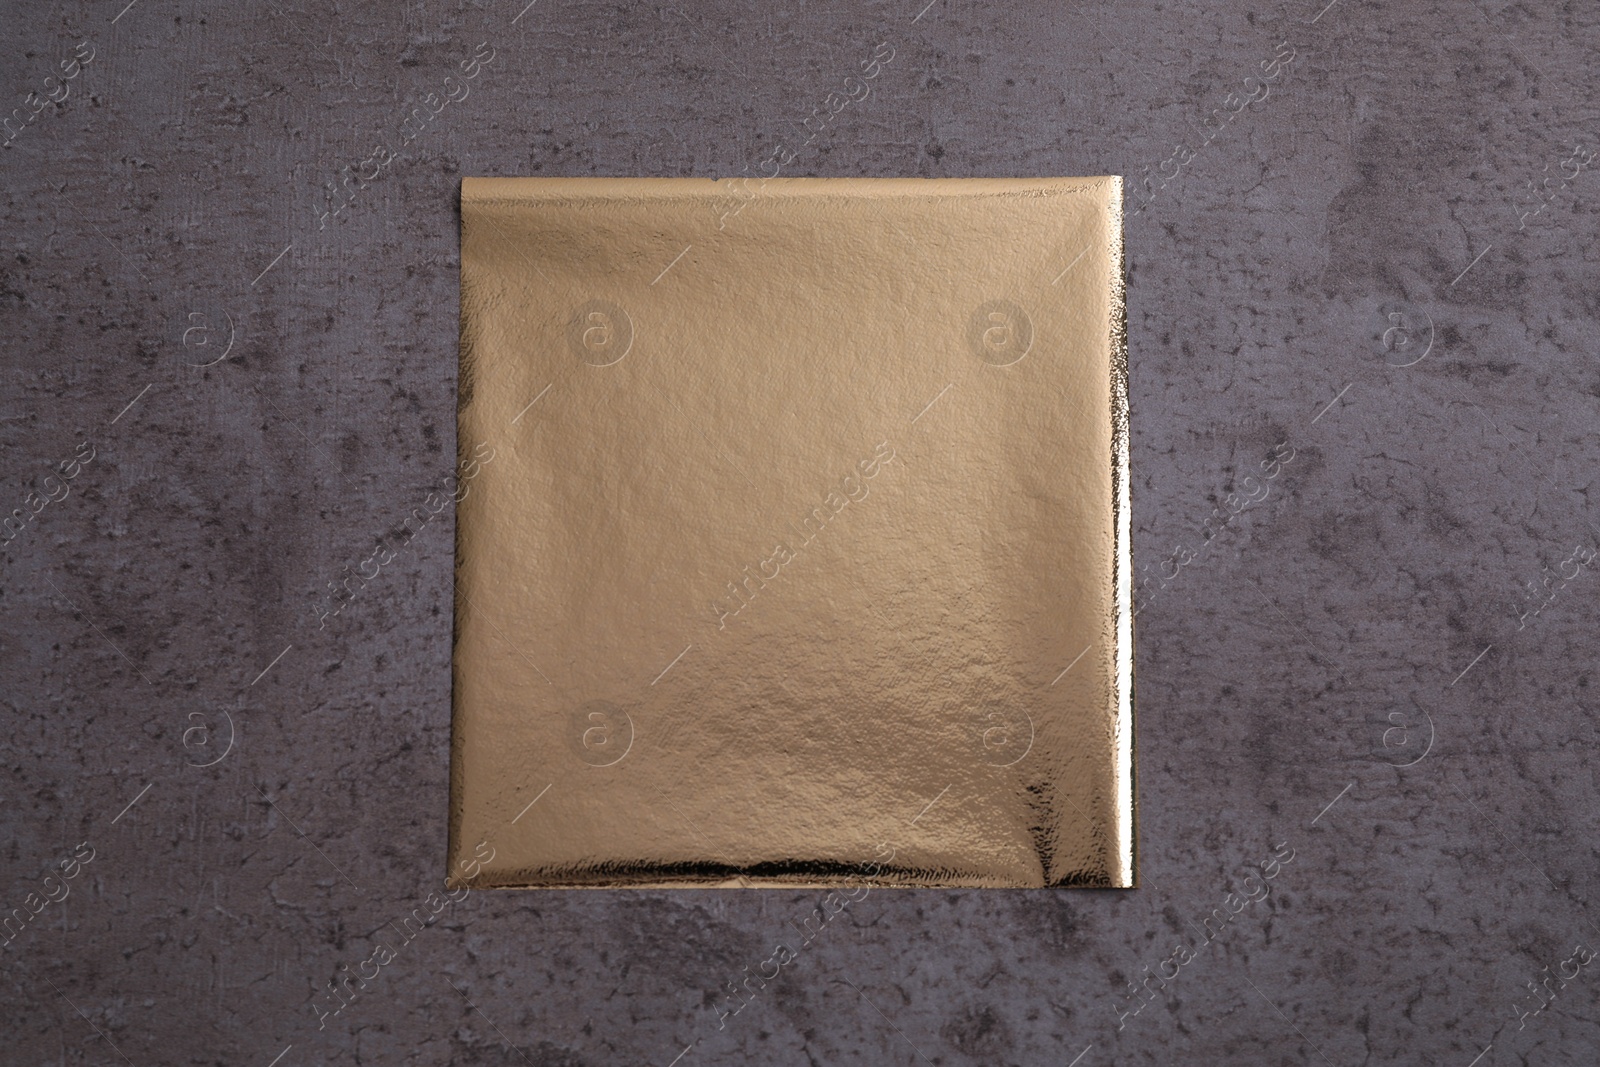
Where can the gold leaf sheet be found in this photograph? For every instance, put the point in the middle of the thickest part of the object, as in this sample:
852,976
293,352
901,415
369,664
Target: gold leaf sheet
793,535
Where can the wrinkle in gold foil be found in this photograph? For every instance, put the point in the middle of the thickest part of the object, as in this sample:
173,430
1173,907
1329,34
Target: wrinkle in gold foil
795,548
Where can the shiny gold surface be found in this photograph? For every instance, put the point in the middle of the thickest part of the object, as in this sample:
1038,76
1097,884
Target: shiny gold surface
793,535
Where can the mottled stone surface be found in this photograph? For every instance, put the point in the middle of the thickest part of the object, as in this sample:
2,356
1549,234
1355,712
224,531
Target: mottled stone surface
1393,168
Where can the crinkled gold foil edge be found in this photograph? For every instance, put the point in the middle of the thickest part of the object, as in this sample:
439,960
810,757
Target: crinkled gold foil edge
1122,514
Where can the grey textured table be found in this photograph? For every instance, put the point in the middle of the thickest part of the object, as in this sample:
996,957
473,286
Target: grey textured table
1362,275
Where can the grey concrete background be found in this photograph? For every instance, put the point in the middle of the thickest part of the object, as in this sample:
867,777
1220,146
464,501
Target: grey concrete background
1344,671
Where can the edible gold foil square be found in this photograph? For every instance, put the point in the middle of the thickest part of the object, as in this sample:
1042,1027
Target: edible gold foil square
793,535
